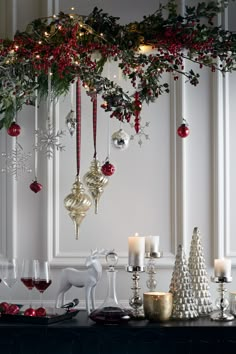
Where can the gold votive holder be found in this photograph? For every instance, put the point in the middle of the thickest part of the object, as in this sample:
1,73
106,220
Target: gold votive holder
157,306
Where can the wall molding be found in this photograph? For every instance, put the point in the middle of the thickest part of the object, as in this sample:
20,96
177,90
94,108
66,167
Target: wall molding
8,182
221,164
58,258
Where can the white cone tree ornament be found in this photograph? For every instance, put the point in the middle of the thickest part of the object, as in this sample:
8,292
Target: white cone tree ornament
199,276
184,302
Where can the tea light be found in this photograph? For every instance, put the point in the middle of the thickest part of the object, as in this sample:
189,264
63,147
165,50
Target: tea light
222,268
151,245
136,250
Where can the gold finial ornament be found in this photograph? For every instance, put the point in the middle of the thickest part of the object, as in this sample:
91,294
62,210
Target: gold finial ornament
95,180
77,203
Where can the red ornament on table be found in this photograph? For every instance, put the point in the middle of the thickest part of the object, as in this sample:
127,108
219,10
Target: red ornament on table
13,309
183,130
30,312
4,306
41,312
36,186
14,129
108,169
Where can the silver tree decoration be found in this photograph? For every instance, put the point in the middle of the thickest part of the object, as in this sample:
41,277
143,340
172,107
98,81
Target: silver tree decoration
16,161
141,134
49,141
198,272
184,302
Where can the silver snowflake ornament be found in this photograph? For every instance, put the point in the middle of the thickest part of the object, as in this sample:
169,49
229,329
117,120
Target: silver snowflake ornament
16,162
141,134
49,141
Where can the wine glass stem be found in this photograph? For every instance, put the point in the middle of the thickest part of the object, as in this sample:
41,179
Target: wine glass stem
41,299
30,297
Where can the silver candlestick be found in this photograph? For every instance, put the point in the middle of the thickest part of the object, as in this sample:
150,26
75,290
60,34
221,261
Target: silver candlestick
136,301
222,314
151,269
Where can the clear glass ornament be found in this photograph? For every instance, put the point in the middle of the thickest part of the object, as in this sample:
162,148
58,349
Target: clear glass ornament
110,312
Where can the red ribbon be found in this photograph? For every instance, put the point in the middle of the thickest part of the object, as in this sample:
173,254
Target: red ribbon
78,127
95,124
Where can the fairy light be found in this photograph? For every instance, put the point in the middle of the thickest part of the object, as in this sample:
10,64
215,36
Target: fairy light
72,8
39,42
46,34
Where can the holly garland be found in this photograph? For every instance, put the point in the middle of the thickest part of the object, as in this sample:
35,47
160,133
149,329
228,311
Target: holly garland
65,44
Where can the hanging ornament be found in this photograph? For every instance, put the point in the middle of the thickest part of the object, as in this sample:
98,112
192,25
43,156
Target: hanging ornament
14,129
71,122
107,168
141,133
35,186
120,140
94,179
16,161
137,109
49,139
71,116
77,202
183,130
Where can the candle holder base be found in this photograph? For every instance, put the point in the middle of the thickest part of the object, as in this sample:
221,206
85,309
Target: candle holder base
222,315
136,301
219,316
151,269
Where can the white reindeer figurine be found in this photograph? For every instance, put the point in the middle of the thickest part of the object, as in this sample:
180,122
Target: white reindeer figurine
87,279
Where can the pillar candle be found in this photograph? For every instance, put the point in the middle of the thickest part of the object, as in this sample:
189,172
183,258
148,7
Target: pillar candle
151,244
136,250
222,267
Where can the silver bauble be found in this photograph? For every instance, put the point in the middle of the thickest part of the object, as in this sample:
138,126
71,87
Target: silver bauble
120,140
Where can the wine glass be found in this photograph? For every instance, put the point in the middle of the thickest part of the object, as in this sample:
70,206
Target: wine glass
42,278
10,274
27,276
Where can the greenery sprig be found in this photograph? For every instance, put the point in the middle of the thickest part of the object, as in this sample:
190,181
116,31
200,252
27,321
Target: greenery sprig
65,44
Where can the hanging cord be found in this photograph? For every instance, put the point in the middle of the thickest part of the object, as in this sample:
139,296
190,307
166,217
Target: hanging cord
36,131
108,140
94,99
78,125
49,99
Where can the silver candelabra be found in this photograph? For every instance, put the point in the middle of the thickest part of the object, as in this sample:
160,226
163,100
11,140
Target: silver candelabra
222,314
136,301
151,269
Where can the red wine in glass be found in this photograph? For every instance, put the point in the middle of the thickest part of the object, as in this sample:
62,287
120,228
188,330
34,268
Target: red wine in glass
41,277
42,284
27,276
28,282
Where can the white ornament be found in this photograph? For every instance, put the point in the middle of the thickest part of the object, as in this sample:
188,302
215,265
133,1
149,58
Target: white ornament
120,140
87,279
49,140
16,162
71,122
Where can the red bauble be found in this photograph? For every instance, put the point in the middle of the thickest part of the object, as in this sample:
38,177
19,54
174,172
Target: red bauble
41,312
13,309
36,187
14,129
4,306
108,169
183,130
30,312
